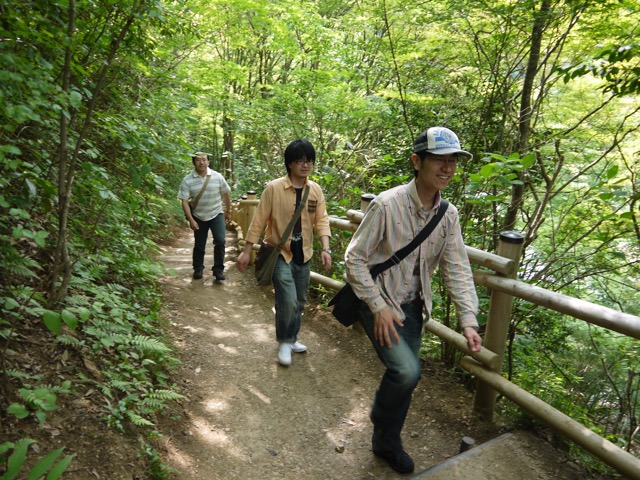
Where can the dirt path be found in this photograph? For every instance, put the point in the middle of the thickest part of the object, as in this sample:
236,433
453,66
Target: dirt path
248,417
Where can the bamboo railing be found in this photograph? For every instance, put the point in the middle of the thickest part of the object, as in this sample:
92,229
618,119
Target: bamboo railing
486,365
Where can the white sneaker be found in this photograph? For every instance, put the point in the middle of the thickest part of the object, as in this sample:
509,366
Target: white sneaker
284,354
298,347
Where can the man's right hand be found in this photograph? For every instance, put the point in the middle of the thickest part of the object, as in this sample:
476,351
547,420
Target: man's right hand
193,225
243,261
384,327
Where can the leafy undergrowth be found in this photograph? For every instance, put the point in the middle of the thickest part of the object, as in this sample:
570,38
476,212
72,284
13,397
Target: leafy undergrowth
82,385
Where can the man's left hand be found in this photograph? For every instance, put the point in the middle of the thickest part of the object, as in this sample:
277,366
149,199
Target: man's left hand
326,260
474,341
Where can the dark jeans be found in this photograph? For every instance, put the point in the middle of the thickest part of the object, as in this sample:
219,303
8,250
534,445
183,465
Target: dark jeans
218,231
403,370
290,282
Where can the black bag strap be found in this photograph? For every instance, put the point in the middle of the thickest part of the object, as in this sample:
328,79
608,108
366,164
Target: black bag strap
294,219
197,199
397,257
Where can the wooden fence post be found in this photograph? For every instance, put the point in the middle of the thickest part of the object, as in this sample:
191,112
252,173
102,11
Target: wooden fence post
365,201
248,209
499,319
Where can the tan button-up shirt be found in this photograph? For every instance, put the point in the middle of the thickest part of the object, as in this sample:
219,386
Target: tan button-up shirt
275,210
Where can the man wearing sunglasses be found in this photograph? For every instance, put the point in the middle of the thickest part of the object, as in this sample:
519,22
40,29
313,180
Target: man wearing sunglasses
394,302
291,276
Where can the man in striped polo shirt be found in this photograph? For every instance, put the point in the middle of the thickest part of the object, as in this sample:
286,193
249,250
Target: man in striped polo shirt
211,212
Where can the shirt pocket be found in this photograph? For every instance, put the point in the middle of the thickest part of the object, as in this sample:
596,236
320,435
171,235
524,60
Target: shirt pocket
437,240
312,205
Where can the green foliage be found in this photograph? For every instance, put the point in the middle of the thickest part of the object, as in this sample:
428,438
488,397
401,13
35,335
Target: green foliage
360,80
19,452
38,400
156,469
616,65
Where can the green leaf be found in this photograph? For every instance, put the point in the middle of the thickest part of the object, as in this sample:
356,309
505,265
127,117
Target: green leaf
40,238
43,465
12,149
83,313
69,319
488,170
75,99
612,172
10,303
498,157
5,447
59,469
18,410
53,321
41,416
14,464
528,160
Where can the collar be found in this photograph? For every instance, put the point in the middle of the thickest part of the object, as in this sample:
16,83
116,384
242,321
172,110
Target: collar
195,174
288,184
413,193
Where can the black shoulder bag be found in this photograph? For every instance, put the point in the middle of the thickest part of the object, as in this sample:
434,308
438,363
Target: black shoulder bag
346,304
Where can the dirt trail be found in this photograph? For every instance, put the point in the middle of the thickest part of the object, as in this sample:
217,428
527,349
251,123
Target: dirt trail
248,417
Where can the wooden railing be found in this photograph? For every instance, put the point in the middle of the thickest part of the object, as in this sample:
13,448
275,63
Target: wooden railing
486,365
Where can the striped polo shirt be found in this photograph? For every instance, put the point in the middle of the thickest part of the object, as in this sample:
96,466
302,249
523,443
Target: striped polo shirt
210,203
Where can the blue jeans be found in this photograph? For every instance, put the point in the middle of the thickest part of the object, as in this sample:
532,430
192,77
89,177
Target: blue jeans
218,231
403,370
291,282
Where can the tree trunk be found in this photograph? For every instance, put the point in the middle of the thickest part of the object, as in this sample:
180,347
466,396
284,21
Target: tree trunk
228,139
62,266
61,263
524,121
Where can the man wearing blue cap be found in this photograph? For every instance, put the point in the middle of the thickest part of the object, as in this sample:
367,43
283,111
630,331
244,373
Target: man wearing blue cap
394,302
207,206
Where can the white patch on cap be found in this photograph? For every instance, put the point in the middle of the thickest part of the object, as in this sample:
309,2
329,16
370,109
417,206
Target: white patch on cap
442,138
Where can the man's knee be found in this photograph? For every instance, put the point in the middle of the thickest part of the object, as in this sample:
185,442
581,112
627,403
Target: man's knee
408,374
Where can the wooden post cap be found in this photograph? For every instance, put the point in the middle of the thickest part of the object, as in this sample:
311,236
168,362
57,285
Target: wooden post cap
511,237
466,444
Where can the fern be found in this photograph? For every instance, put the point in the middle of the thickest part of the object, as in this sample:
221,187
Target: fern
138,420
122,385
68,340
148,344
11,372
106,325
150,405
157,400
5,333
166,395
16,265
106,337
105,390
